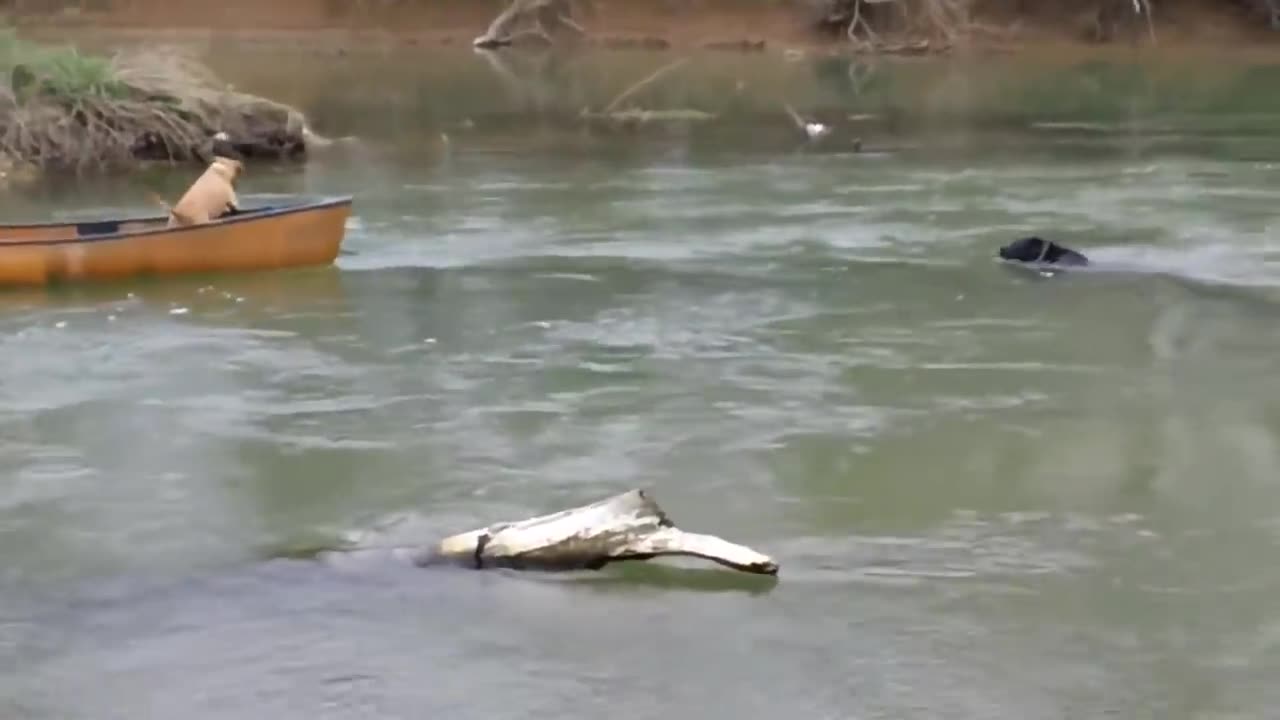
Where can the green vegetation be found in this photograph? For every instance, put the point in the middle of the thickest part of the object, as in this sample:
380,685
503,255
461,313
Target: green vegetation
61,110
59,71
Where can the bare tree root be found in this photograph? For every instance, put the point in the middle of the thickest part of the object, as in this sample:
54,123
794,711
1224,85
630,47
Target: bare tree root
926,24
1144,7
859,21
544,20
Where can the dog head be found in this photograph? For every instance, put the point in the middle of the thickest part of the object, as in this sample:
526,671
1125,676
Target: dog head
228,168
1038,250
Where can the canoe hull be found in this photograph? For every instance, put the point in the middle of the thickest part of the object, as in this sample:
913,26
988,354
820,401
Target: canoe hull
291,236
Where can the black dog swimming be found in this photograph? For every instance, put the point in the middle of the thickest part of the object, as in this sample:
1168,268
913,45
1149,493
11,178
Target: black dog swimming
1042,252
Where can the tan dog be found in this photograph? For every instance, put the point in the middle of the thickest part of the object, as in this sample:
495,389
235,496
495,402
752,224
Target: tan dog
210,196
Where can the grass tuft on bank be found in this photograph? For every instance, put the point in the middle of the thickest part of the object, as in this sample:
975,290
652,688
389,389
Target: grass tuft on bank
63,110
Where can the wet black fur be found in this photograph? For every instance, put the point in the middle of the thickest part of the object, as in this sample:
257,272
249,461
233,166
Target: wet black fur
1037,250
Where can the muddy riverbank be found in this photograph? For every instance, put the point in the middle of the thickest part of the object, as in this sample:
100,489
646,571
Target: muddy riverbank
997,25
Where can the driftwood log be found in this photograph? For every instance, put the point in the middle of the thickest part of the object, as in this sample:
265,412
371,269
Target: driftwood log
629,526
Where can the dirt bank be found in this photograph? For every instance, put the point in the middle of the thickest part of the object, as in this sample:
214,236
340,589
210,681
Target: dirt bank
685,24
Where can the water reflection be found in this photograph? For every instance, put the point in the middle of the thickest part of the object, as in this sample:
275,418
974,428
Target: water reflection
992,494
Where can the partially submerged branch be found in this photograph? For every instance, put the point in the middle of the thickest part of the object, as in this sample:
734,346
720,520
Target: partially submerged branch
629,526
647,81
635,116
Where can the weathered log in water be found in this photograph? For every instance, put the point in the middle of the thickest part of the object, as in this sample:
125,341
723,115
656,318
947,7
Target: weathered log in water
629,526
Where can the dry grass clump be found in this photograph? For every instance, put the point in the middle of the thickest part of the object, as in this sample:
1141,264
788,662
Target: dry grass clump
63,110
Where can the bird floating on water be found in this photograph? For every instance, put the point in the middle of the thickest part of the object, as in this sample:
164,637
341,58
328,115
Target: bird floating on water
812,129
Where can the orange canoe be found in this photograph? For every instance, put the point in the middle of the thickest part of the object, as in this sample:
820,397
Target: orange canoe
253,239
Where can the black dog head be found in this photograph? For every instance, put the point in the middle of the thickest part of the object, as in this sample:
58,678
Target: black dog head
1037,250
220,145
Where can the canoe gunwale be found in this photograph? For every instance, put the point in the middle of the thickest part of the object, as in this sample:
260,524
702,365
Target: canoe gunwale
243,217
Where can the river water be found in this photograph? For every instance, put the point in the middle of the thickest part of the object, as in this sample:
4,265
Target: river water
993,494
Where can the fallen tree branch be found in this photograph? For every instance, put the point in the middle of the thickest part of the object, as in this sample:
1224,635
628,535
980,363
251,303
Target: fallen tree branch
629,526
865,22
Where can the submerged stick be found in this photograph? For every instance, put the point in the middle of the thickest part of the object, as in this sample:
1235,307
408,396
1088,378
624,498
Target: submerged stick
649,80
630,526
644,117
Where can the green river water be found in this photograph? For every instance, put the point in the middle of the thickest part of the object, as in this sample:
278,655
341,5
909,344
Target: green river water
992,494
